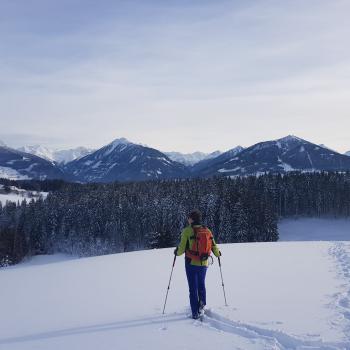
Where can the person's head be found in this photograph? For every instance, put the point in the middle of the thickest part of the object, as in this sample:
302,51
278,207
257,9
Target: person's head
195,217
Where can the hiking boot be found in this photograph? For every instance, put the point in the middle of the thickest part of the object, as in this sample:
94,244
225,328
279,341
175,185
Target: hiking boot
195,317
201,308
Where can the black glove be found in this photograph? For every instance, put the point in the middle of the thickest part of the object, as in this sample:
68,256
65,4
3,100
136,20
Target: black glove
175,251
220,253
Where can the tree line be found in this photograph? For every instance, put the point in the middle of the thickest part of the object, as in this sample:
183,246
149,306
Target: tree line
95,219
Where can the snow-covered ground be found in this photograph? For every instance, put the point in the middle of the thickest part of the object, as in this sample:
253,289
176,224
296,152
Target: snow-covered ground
311,229
11,174
284,295
18,195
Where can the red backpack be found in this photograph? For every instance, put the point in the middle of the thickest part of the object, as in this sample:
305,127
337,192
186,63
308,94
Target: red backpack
201,244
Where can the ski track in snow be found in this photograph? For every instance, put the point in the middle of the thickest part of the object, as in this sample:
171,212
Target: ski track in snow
159,320
272,339
340,252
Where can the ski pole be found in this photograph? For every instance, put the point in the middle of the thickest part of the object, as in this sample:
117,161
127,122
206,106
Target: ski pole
222,282
166,297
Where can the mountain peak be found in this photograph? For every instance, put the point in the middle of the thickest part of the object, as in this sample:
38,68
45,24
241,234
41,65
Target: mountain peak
120,141
235,150
2,144
289,138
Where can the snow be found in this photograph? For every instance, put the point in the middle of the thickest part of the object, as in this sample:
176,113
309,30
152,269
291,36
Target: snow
18,195
286,167
290,138
38,150
30,168
282,295
13,161
120,141
312,165
114,144
96,165
44,260
10,197
12,174
311,229
191,158
223,170
347,153
68,155
58,155
133,159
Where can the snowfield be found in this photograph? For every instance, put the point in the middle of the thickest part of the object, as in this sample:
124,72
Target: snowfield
285,295
18,195
312,229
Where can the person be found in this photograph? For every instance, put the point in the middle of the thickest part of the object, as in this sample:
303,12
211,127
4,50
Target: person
196,266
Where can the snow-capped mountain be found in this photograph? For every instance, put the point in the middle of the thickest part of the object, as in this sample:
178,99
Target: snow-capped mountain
211,163
190,159
2,144
347,153
18,165
38,150
67,155
286,154
58,156
122,160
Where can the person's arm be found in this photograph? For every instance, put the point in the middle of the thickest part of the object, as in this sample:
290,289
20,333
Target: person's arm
183,242
215,249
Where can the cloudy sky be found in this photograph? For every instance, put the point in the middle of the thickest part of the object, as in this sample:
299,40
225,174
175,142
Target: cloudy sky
180,75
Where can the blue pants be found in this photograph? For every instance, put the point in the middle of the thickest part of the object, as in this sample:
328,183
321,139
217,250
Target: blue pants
196,285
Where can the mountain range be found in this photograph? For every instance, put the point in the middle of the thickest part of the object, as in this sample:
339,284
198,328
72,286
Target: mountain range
191,159
122,160
19,165
54,155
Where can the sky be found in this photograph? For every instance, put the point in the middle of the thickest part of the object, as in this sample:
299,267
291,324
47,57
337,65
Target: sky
180,75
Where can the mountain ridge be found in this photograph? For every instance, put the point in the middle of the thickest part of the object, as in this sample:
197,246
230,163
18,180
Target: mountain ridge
288,153
123,160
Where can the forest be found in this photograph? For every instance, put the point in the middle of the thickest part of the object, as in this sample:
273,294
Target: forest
95,219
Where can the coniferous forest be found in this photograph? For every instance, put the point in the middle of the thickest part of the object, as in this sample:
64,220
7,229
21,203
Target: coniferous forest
95,219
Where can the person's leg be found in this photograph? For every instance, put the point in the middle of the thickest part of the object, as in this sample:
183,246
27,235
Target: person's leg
201,285
192,278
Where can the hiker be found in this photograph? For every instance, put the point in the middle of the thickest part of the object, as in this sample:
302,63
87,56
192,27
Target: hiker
197,242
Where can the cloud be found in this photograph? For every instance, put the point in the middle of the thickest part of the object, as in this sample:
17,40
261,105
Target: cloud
153,70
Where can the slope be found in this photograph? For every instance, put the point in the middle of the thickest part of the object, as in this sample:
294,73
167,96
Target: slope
20,165
293,295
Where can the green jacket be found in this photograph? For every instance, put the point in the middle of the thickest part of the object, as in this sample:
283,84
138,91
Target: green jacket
185,243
